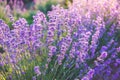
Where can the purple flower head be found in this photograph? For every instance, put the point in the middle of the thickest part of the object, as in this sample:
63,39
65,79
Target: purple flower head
21,23
10,77
39,18
118,61
52,26
34,78
104,48
72,38
2,63
118,49
85,78
63,48
91,72
23,72
52,49
102,56
14,61
77,65
37,70
4,27
60,57
50,33
36,27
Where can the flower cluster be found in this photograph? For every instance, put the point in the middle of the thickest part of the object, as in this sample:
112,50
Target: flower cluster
81,43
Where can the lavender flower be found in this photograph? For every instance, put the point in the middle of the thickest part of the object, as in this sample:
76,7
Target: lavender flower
118,49
102,56
89,75
34,78
80,42
85,78
37,70
39,18
118,61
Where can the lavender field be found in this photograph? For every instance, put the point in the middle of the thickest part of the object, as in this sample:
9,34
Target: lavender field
59,40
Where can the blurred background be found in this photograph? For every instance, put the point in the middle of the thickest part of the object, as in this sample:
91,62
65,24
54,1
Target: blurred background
27,8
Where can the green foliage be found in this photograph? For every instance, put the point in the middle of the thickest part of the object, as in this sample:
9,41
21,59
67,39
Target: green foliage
47,6
3,16
29,16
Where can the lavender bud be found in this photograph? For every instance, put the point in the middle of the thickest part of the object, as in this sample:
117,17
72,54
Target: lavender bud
118,61
102,56
34,78
37,70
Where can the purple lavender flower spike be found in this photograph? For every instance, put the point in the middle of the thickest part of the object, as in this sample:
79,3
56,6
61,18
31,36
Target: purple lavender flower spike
118,61
34,78
37,70
89,75
102,56
118,49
